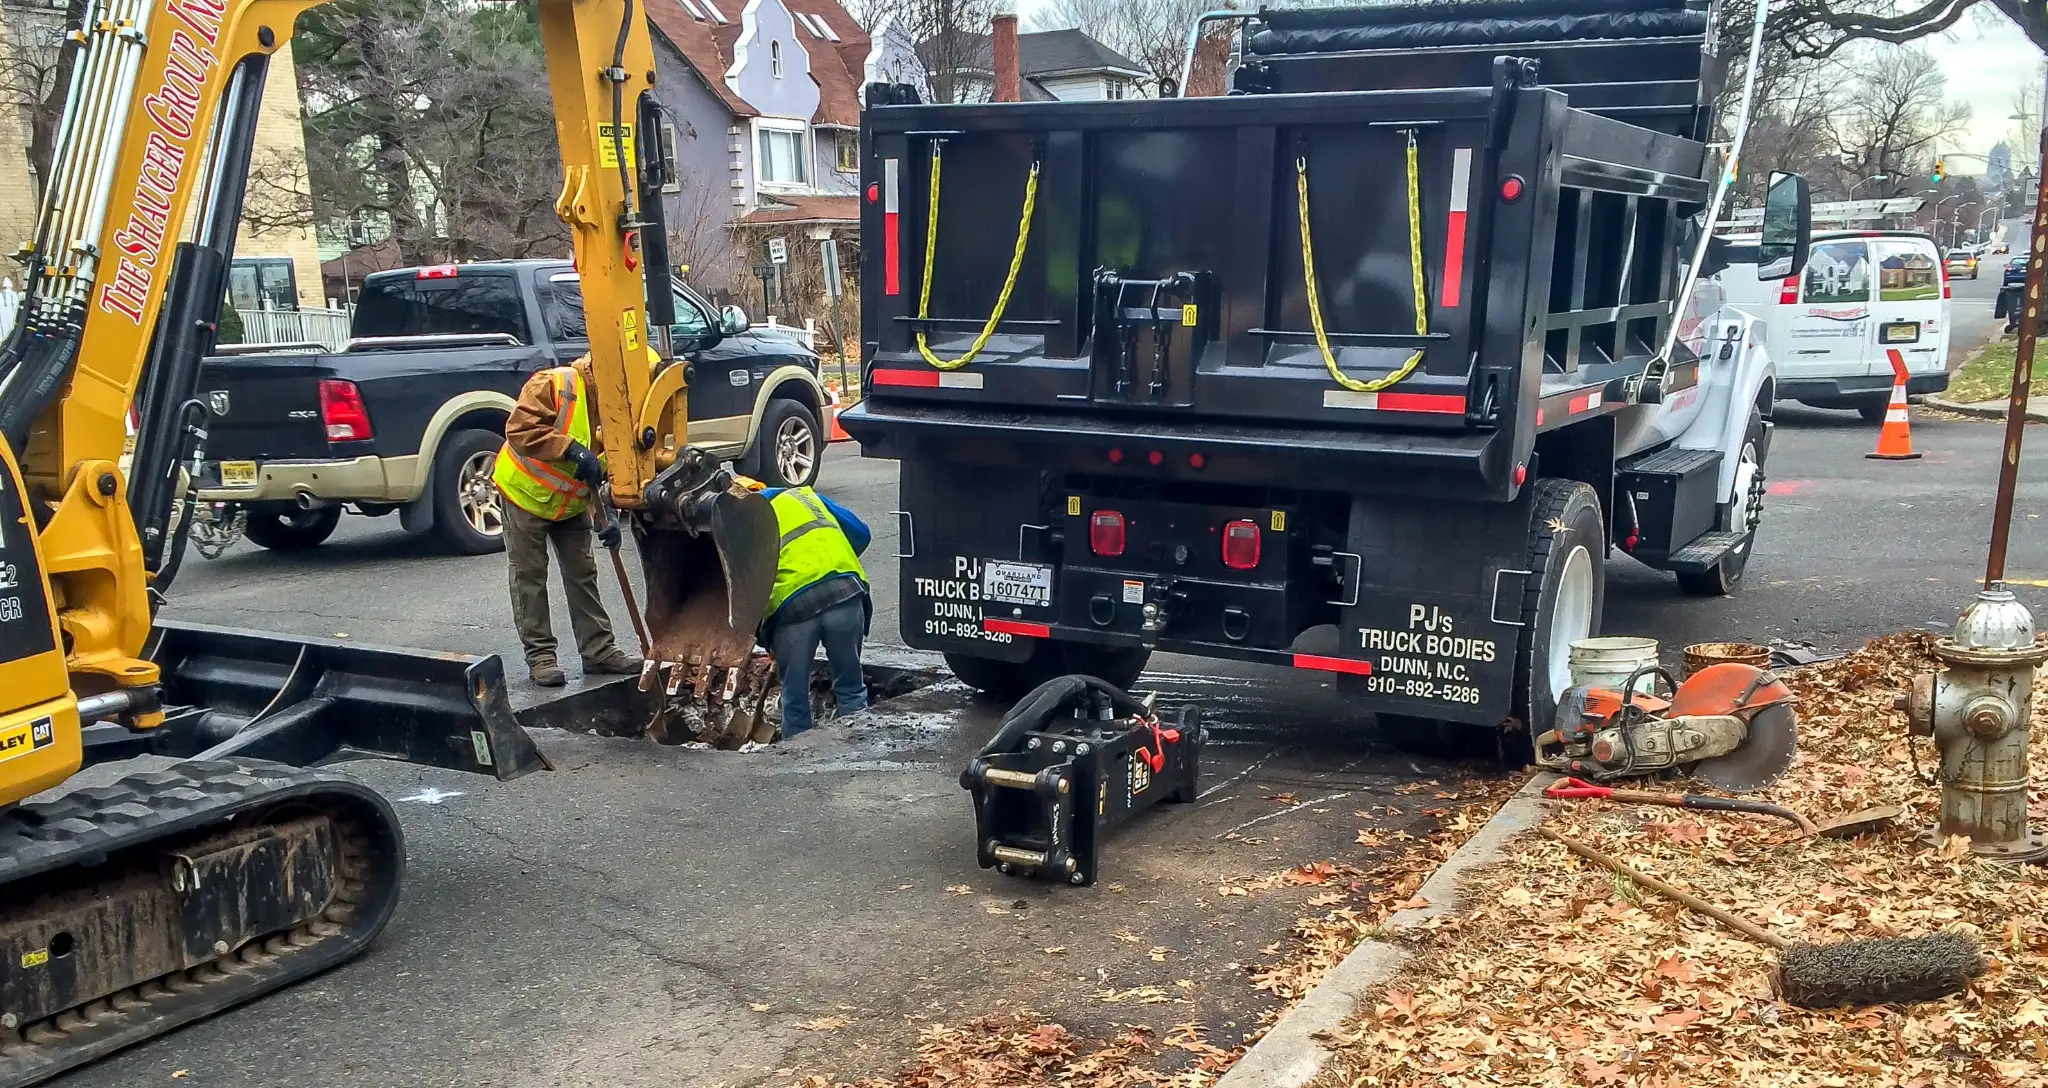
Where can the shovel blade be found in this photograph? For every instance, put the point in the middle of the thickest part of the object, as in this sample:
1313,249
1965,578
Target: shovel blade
1860,822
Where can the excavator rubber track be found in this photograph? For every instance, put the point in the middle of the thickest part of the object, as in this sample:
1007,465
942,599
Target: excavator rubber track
131,909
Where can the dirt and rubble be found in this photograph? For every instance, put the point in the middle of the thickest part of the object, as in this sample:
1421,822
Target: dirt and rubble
1564,974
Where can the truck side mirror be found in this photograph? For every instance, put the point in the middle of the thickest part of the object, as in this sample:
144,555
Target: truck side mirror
1787,228
732,321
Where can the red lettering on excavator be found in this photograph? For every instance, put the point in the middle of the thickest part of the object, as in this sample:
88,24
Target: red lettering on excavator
126,292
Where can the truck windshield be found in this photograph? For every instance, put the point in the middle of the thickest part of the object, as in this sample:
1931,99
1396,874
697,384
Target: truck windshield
457,304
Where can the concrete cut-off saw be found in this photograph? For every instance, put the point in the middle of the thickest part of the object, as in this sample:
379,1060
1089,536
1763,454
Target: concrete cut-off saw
1729,725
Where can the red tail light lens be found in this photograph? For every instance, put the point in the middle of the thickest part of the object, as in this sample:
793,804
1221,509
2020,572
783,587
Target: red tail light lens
1241,545
341,408
436,272
1106,533
1789,294
1944,280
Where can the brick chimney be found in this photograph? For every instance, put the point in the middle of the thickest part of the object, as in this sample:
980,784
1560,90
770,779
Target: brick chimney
1003,51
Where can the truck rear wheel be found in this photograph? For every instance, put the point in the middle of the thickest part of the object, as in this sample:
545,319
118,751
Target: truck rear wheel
468,513
1566,591
1009,680
282,527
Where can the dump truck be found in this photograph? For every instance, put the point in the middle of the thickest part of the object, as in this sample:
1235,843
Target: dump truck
1370,366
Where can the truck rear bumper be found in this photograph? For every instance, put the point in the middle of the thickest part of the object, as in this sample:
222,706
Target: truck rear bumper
348,479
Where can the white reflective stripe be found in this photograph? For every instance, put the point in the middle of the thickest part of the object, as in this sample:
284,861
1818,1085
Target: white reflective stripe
954,379
1345,398
1461,178
889,172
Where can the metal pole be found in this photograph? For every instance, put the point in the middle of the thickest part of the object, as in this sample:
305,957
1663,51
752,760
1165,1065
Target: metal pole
2022,380
839,343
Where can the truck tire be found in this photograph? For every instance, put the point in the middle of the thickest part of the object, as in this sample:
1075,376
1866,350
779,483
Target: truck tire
1567,589
1011,680
789,449
282,527
1725,577
468,517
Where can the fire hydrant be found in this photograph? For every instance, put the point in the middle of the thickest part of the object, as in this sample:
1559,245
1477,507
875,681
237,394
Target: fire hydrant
1977,711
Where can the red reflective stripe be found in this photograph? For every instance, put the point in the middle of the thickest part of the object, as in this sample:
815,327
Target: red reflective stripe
549,476
1016,627
922,379
1584,403
1333,664
1454,236
892,273
1447,403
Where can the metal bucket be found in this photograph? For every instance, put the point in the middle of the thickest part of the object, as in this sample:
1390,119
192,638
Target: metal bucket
1701,654
1606,662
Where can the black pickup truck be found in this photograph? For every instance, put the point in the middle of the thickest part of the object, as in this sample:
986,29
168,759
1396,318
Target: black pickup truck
408,417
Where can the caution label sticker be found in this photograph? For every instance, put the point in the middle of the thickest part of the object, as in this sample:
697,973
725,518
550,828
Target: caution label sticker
611,140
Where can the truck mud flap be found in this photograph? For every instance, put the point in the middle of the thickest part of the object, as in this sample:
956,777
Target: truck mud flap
230,692
956,521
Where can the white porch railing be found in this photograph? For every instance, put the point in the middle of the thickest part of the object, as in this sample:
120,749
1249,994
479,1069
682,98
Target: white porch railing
808,335
329,327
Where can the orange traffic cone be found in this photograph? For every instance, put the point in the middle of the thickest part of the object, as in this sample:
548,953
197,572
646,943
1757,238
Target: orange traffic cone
1895,441
838,433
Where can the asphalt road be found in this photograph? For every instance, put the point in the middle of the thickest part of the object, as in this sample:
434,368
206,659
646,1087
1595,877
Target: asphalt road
659,916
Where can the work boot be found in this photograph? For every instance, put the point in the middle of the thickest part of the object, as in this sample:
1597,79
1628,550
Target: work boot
616,663
546,673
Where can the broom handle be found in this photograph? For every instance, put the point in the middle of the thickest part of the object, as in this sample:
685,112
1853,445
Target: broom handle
1741,925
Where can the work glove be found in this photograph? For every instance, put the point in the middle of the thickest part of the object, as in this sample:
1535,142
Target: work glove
608,534
589,468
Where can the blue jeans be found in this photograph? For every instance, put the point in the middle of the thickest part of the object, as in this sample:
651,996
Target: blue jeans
840,628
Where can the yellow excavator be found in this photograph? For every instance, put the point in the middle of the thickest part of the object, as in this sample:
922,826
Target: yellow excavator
229,865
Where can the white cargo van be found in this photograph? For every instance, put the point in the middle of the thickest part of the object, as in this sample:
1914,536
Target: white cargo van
1831,329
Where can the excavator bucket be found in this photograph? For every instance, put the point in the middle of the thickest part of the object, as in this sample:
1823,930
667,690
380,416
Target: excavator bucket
710,551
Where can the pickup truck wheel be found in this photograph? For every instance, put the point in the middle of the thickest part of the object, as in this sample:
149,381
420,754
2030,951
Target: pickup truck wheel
286,528
788,449
1743,515
1566,591
468,516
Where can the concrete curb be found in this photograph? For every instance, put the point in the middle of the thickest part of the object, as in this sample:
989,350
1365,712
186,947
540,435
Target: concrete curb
1989,409
1290,1056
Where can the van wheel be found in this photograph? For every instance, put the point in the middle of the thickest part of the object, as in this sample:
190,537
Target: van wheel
789,448
1012,680
469,515
1745,513
1874,412
283,527
1567,590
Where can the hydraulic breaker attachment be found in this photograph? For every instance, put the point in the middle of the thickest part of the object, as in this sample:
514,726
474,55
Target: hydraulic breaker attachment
228,693
710,549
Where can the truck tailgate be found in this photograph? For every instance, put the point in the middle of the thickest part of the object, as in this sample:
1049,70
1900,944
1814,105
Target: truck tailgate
265,408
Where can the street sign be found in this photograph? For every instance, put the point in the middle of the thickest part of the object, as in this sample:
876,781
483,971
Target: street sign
778,250
763,271
828,253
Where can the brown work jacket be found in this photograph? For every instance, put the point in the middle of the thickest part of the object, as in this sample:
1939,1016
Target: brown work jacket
531,429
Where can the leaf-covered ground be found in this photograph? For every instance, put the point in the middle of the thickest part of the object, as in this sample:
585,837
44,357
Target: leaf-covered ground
1563,974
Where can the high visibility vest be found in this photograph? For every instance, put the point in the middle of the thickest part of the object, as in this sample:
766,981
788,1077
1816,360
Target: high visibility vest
814,547
550,489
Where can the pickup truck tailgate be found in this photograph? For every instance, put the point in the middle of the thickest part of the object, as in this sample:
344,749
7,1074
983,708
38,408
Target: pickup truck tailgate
265,408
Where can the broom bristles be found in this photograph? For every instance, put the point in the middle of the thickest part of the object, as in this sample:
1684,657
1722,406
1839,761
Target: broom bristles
1879,971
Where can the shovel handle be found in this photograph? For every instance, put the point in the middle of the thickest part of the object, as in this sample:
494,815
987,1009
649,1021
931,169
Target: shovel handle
1693,902
626,585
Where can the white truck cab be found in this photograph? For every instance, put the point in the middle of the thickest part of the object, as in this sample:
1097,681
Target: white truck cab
1832,329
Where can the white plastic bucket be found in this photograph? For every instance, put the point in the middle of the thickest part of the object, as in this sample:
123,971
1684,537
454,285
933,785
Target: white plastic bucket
1607,662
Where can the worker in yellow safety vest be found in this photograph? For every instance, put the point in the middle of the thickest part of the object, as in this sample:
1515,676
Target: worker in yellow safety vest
820,597
549,476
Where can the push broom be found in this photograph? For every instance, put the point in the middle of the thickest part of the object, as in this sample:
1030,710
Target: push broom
1874,971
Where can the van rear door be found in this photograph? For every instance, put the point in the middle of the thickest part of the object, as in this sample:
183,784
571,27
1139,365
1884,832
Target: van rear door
1909,316
1827,332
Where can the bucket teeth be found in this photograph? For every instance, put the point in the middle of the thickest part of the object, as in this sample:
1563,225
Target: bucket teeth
650,674
732,683
675,676
700,679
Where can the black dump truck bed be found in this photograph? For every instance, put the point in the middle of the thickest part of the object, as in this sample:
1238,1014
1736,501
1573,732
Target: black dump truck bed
1162,277
1335,371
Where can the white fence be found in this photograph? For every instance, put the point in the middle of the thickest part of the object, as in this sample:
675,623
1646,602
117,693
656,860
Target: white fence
10,304
310,325
808,335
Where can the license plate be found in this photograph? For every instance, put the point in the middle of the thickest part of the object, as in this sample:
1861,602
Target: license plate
1901,332
238,474
1016,583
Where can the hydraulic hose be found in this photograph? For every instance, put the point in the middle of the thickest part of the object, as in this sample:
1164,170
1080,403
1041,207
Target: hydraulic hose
931,245
1047,700
1315,302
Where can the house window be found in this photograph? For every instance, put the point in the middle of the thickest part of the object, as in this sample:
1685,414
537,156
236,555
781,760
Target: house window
775,59
1116,90
849,152
782,157
669,160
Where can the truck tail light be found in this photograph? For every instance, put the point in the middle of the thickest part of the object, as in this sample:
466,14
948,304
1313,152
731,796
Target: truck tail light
341,408
1241,545
436,272
1106,533
1789,293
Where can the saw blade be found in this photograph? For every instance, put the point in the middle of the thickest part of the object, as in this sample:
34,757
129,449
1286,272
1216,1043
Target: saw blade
1763,757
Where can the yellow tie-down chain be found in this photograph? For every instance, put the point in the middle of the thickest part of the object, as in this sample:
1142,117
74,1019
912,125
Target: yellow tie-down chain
931,242
1315,304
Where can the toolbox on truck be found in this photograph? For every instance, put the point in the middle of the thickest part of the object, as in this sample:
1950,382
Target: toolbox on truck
1272,375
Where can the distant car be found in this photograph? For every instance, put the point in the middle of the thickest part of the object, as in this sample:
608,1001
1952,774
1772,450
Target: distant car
1961,262
2001,248
2016,271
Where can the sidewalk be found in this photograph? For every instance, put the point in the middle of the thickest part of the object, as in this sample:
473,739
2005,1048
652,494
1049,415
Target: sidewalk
1986,409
